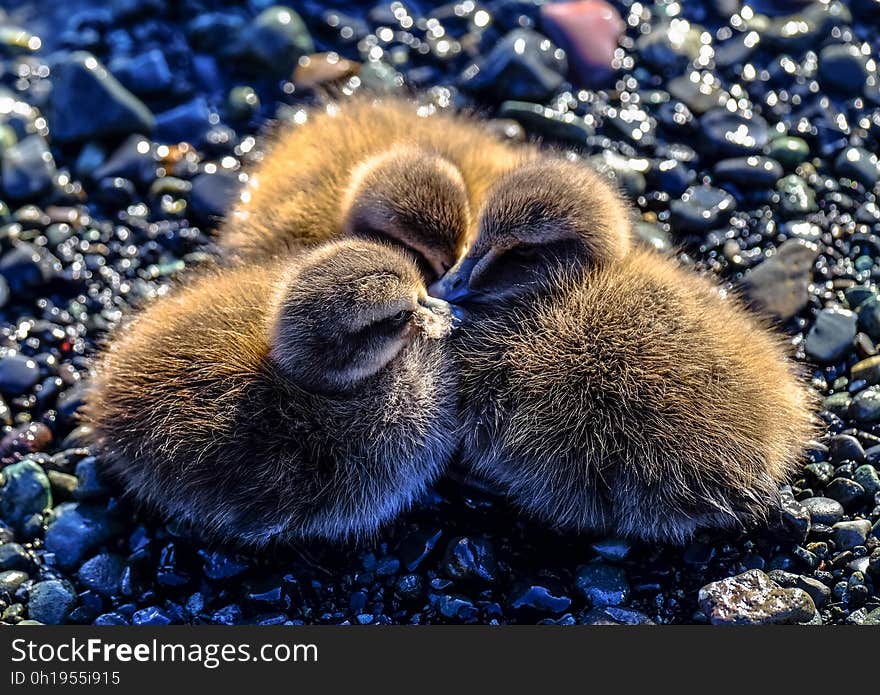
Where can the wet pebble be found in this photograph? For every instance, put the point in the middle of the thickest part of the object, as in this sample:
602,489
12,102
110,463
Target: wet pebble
779,286
81,79
752,598
701,208
831,336
18,374
25,493
602,584
51,601
823,510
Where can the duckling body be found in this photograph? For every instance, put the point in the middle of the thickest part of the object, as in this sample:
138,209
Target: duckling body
438,167
611,392
309,398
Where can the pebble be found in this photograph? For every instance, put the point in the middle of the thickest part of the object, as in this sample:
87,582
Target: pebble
24,493
51,601
602,584
796,196
701,208
537,597
865,407
28,169
754,171
567,23
845,491
26,267
859,165
788,151
779,286
752,598
212,194
727,134
18,374
470,559
10,580
275,40
523,66
82,79
548,123
14,557
848,534
843,68
75,530
831,336
866,476
102,573
823,510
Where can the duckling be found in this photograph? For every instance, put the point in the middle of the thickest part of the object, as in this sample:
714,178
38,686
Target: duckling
614,391
309,398
374,169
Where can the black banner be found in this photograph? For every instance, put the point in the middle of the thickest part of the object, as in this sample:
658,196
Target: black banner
412,659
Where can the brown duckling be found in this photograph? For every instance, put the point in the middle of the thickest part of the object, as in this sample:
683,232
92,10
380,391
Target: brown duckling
612,391
306,398
375,169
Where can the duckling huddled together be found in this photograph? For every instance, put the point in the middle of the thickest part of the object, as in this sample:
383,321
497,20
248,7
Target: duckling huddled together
400,290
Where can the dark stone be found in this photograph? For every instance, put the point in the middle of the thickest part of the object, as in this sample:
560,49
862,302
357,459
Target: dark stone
189,122
537,597
751,172
25,267
602,584
75,530
845,491
728,134
213,194
152,615
867,370
831,336
24,493
28,169
843,68
14,557
779,286
522,66
11,580
866,476
548,123
700,209
751,598
470,559
848,534
275,40
18,374
91,485
79,81
845,447
51,601
146,73
417,546
102,573
823,510
865,407
611,615
859,165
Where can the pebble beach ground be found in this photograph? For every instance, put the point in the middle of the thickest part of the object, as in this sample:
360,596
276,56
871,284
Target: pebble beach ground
746,134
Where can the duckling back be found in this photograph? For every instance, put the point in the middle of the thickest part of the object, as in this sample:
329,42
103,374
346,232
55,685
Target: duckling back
295,195
635,399
195,420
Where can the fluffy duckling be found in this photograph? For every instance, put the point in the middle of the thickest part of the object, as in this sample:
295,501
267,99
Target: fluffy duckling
613,391
308,398
375,169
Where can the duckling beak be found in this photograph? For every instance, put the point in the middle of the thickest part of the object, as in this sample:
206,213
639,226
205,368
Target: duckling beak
437,318
453,286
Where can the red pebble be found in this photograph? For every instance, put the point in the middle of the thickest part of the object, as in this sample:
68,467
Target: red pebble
588,31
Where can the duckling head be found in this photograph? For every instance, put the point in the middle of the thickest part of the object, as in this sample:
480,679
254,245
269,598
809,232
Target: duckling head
547,219
413,199
348,311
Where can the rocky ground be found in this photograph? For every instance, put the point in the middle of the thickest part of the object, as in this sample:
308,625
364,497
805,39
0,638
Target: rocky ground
746,135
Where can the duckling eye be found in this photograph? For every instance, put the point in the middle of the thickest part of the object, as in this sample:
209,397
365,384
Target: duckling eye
400,318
